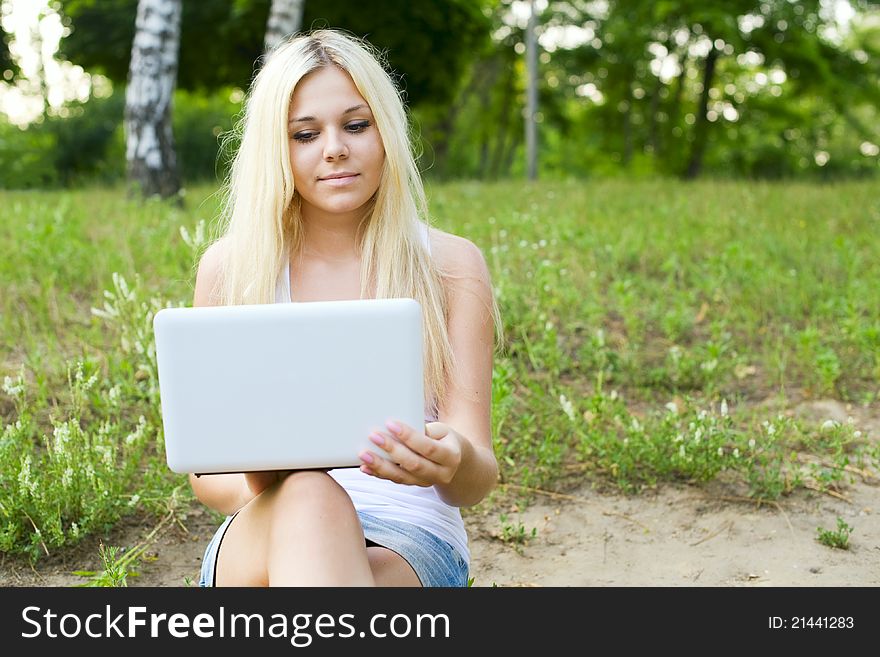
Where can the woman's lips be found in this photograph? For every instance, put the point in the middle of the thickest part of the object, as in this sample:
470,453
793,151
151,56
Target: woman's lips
340,180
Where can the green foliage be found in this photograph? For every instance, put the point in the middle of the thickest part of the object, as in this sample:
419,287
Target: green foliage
222,41
87,144
515,532
115,570
57,488
199,123
25,158
785,98
835,539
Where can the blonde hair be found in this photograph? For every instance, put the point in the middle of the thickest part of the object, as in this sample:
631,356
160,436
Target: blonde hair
260,217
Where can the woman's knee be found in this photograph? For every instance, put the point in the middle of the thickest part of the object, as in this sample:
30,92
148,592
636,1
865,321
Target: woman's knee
312,490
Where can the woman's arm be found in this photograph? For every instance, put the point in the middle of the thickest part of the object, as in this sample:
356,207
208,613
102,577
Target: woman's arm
454,454
227,493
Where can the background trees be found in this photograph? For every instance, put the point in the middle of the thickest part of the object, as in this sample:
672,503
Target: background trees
686,88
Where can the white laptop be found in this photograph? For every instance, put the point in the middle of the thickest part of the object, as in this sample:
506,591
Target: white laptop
288,385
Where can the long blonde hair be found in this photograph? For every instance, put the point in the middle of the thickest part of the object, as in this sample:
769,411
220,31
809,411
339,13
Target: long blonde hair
260,217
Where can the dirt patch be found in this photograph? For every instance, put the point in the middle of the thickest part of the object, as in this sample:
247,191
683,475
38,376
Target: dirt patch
675,536
683,536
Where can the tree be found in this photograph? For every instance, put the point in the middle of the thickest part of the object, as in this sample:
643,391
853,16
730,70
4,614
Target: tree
151,161
532,94
716,50
285,18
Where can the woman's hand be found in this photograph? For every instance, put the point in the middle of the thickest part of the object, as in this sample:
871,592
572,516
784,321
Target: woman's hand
415,458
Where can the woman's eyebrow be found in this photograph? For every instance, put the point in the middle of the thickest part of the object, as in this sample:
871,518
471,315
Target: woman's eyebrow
305,119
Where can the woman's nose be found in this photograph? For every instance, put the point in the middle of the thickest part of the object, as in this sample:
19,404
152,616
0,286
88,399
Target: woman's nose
335,147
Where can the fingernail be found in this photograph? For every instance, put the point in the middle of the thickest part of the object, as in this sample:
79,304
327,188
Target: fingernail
366,457
379,440
393,427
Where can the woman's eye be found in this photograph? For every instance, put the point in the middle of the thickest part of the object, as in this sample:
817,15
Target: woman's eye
305,137
357,126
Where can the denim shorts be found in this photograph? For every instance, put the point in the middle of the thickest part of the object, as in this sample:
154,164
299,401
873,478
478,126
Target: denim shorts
435,561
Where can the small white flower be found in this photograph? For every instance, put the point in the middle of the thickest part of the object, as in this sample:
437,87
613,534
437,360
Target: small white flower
672,407
752,443
567,407
857,434
723,408
828,425
709,365
735,453
720,451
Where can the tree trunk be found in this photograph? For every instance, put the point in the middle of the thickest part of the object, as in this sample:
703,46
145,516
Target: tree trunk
507,106
701,129
285,18
149,142
531,95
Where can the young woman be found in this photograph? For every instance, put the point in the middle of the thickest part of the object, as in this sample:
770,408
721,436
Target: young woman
324,202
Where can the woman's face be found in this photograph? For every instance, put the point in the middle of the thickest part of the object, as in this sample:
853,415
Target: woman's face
336,151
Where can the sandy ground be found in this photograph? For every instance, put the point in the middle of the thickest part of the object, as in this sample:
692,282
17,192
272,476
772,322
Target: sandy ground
674,536
677,536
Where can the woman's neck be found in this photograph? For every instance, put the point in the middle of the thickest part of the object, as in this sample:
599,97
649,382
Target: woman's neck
331,237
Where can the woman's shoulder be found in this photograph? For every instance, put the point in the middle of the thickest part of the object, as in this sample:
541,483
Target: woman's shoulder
457,256
208,273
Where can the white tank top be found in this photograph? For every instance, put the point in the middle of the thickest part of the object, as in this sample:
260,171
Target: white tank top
388,500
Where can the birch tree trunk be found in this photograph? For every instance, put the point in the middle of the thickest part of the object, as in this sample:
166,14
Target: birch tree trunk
285,18
151,161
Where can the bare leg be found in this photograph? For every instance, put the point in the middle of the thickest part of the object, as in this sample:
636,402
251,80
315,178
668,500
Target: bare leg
302,531
391,569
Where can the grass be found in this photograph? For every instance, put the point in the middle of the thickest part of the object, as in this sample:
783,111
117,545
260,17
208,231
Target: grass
647,325
838,539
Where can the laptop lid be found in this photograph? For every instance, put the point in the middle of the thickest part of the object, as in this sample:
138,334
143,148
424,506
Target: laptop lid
286,386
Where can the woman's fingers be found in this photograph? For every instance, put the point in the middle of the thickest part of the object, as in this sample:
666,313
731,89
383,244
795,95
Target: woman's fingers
421,473
413,457
417,441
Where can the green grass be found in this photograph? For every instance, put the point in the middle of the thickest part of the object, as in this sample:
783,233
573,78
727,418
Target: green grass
838,539
646,322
